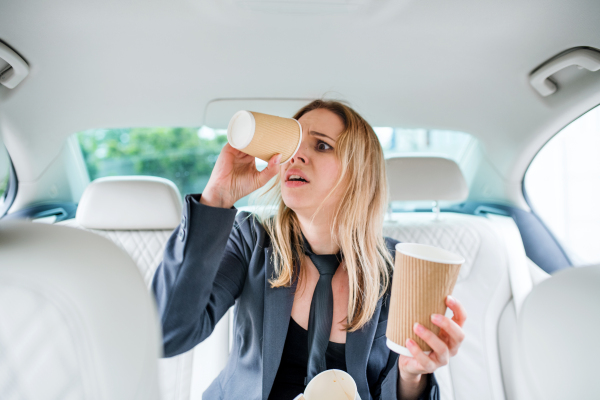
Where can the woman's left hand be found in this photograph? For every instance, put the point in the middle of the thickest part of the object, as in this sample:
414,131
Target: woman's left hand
443,346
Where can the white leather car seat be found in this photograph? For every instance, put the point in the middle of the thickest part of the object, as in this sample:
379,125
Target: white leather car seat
76,319
483,285
139,213
515,380
557,336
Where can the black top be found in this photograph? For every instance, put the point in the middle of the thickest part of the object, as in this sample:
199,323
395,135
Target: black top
289,381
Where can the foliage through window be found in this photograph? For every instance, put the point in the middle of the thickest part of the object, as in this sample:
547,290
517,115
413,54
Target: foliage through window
187,156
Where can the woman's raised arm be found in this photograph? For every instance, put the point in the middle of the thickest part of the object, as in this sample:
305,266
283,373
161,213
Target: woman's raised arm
206,258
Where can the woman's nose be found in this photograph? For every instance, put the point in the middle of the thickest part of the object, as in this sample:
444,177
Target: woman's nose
300,156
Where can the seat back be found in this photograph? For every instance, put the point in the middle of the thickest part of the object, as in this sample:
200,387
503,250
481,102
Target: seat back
483,285
139,214
77,321
561,313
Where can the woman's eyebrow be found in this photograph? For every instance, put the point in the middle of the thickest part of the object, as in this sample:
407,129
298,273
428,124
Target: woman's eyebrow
314,133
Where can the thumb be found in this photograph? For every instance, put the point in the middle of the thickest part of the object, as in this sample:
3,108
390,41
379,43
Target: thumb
272,169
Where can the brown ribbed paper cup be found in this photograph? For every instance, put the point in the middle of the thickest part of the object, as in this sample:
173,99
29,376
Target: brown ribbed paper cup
423,277
264,135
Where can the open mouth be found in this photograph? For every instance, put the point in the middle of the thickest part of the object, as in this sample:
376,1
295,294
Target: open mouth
296,178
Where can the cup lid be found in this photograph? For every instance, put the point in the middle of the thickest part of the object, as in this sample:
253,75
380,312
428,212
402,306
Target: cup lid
429,253
240,130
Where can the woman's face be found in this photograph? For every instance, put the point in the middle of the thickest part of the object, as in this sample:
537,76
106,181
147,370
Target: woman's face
315,163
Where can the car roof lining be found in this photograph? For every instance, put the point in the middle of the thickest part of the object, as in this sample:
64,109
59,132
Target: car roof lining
441,65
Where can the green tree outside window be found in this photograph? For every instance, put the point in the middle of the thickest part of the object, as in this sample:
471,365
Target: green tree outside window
185,156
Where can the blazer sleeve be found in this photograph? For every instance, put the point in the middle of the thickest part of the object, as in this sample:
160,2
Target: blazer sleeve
203,270
389,386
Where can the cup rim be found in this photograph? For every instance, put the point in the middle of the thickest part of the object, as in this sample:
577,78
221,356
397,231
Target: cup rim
396,348
299,143
436,254
336,370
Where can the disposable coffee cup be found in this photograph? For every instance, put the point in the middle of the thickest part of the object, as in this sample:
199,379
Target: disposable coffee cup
332,384
423,277
264,135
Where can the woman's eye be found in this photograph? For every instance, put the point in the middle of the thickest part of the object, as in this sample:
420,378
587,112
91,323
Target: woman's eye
322,146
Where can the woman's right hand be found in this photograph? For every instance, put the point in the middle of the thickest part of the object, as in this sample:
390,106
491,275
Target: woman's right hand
235,176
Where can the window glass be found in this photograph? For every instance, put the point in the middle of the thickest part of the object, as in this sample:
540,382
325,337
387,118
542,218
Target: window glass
401,142
186,156
563,187
4,172
397,142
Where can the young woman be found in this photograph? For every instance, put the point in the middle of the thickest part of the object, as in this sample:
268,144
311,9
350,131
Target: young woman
323,248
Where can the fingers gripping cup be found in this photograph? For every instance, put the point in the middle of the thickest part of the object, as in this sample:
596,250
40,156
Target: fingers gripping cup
263,135
423,277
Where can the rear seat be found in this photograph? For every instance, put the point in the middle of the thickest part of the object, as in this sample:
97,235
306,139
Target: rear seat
139,214
115,210
483,286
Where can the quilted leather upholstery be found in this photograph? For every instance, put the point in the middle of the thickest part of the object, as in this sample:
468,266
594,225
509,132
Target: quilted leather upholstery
34,335
146,249
482,287
206,360
461,238
61,336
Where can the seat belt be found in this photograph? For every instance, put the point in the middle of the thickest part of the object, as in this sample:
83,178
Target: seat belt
518,272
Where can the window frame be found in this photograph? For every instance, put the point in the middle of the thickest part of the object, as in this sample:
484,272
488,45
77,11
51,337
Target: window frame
524,190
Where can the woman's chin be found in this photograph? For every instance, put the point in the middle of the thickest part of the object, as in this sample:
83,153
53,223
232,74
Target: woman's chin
295,201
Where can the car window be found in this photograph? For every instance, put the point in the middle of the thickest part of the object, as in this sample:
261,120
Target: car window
563,187
186,156
4,172
400,142
458,146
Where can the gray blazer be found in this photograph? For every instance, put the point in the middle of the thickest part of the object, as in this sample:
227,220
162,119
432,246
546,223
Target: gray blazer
214,260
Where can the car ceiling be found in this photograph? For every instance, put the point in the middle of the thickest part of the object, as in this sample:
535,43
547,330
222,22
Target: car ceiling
460,65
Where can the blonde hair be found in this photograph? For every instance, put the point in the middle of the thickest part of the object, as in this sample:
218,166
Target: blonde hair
357,222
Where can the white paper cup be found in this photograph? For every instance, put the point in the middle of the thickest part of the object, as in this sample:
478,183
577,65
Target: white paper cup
332,384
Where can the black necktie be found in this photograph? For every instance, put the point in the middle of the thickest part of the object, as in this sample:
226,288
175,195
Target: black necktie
321,311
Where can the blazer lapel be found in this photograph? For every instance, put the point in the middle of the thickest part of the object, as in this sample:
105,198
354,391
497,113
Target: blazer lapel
277,312
358,347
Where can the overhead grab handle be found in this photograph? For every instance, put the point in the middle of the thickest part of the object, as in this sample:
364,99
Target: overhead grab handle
19,68
585,58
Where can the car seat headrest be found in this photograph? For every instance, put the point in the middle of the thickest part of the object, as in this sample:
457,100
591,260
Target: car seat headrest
130,203
425,178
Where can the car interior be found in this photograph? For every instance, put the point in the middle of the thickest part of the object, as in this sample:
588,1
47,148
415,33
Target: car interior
112,111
